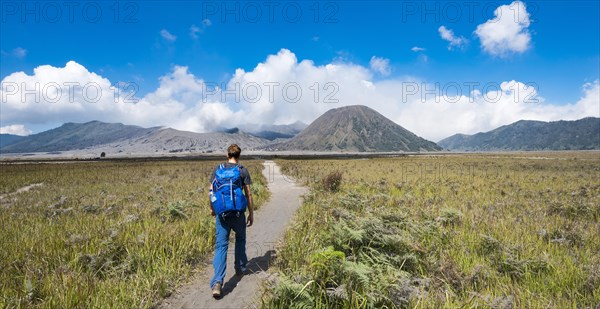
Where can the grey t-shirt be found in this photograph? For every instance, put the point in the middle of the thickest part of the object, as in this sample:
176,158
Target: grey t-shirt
244,174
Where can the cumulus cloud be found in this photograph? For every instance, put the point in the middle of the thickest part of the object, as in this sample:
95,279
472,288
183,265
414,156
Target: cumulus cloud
280,90
441,115
15,129
74,94
282,76
165,34
449,36
587,106
380,65
417,49
508,32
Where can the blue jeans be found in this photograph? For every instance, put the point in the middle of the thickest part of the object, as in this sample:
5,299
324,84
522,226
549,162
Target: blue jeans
224,227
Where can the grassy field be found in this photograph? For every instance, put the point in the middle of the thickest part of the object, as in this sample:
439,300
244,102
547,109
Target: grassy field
475,231
104,234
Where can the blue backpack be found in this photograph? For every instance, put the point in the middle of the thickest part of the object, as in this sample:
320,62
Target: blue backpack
228,191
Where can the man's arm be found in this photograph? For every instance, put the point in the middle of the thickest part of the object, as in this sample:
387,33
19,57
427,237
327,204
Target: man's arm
250,205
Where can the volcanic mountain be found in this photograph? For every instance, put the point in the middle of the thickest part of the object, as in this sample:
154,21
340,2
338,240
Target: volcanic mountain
355,128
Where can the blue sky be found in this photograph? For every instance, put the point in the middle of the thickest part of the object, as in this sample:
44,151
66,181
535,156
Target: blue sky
139,42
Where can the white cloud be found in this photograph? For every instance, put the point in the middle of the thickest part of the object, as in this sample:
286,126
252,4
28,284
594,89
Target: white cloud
380,65
417,49
319,84
587,106
440,116
15,129
449,36
508,32
183,101
74,94
194,30
18,52
167,35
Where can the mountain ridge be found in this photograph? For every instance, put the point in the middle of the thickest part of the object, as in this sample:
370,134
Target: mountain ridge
118,137
73,136
275,131
7,139
353,128
528,135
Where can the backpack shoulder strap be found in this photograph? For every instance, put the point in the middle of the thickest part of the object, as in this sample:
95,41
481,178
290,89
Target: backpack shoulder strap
240,167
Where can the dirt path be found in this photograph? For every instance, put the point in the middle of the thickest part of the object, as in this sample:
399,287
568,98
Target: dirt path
20,190
269,226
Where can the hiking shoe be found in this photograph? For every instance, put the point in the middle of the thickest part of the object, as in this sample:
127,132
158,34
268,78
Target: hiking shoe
240,272
216,290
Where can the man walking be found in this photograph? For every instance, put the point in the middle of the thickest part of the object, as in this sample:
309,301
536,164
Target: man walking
230,196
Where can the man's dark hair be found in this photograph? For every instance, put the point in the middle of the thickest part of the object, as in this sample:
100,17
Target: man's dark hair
234,151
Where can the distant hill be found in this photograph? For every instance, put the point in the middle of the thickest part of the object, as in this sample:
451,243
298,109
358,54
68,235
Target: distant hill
117,137
71,136
7,139
355,128
272,132
583,134
169,140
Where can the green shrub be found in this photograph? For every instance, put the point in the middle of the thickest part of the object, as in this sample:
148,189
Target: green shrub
332,182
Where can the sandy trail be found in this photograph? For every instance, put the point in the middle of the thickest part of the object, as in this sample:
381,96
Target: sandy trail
21,190
269,226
